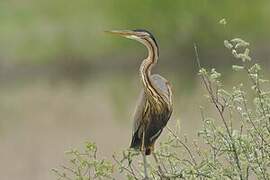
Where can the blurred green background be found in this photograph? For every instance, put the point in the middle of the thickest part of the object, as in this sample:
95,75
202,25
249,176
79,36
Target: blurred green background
64,81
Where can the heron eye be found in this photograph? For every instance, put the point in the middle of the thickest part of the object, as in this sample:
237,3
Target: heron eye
144,35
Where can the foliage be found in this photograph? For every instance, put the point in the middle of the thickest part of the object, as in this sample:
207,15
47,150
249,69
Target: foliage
85,165
235,142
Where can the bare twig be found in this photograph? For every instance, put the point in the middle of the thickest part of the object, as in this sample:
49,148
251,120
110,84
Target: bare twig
184,145
220,110
125,168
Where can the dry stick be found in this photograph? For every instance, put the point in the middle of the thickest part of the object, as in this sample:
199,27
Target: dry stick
162,164
61,175
70,170
133,169
250,119
259,92
185,146
125,168
220,111
162,174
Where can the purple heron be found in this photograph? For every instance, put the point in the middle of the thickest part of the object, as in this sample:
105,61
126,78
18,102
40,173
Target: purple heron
155,103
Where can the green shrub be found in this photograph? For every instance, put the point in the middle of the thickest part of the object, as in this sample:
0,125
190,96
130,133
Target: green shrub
85,165
235,143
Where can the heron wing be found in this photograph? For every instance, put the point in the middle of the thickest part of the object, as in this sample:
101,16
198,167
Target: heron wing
146,114
137,122
156,124
157,121
162,86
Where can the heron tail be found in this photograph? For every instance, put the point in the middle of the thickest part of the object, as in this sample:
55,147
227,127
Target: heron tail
136,144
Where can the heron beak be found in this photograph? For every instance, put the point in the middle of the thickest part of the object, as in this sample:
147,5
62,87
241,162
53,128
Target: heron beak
124,33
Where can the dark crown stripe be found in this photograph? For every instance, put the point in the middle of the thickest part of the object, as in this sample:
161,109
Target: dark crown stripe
151,36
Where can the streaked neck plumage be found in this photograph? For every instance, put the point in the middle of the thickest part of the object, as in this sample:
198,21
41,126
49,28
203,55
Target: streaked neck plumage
146,67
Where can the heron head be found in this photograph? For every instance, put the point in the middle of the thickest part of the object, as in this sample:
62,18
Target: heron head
140,35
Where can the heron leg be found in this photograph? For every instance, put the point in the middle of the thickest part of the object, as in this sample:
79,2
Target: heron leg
144,158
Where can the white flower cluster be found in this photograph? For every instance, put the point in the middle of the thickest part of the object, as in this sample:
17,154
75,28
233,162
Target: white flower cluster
236,45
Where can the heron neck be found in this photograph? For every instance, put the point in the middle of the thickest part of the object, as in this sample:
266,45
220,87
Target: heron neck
145,71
